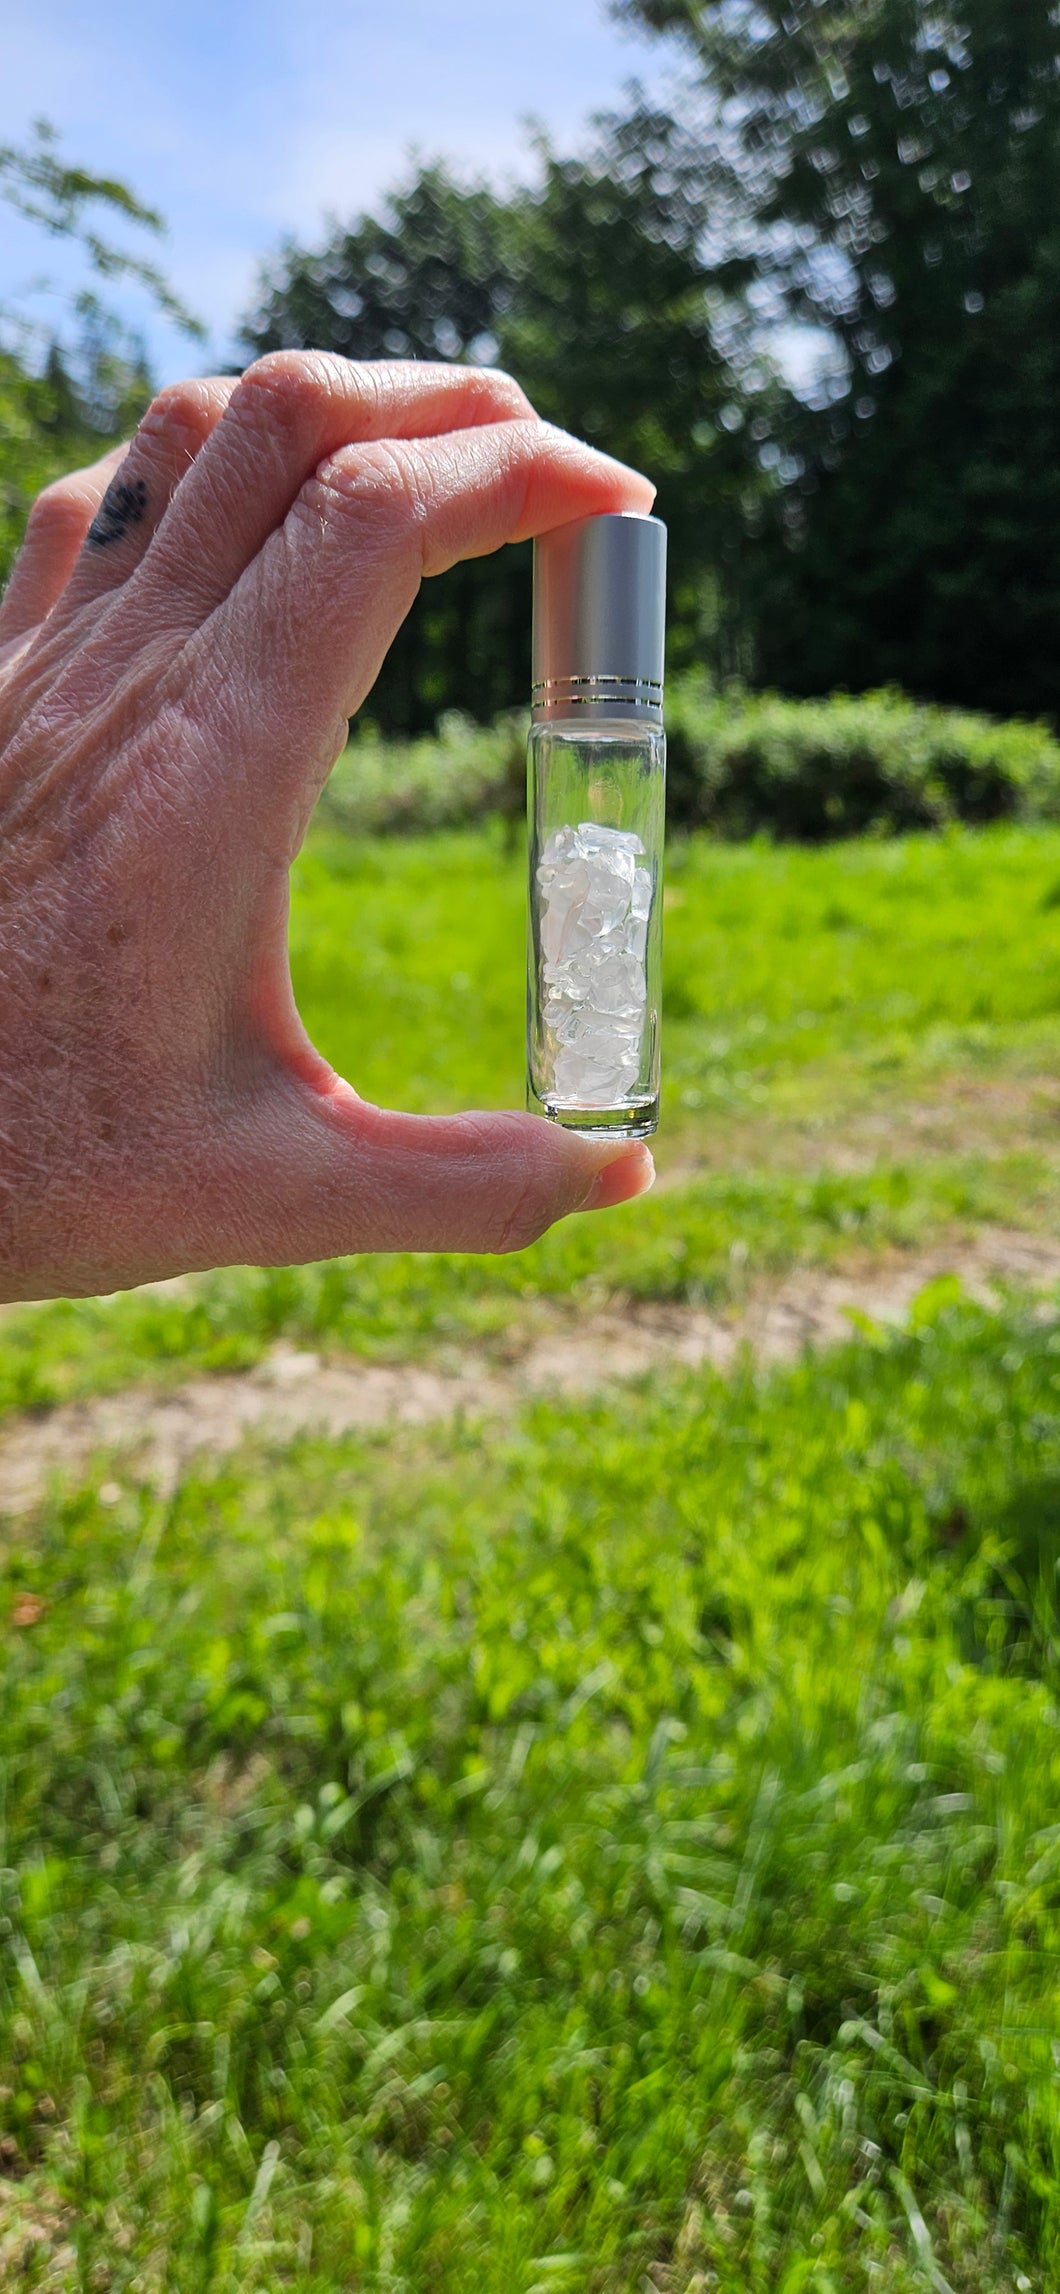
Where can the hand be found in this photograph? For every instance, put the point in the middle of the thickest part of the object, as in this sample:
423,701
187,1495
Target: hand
187,630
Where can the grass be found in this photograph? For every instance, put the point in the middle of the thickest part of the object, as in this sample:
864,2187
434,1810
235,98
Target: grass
618,1854
700,1245
615,1851
813,998
791,975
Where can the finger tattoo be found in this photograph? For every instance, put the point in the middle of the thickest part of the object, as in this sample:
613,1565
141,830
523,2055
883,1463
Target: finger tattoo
122,506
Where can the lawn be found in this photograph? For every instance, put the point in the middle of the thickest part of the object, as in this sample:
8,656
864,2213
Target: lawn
862,1050
617,1850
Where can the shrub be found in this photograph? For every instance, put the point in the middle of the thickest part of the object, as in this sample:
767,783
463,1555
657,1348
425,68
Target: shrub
741,763
394,788
844,766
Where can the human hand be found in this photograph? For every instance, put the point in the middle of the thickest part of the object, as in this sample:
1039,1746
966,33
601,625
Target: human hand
187,630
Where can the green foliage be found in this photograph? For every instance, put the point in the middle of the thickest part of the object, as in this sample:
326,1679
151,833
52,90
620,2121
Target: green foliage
739,762
614,332
462,773
584,1856
842,766
899,166
47,191
63,417
63,403
30,454
889,174
426,279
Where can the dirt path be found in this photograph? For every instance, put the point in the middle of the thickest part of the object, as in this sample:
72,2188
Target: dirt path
293,1393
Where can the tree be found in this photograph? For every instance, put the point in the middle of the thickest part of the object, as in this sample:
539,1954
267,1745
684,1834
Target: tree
591,289
613,330
899,168
63,402
428,278
46,190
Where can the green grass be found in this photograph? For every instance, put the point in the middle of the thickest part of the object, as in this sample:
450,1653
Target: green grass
789,973
617,1854
618,1850
807,994
701,1245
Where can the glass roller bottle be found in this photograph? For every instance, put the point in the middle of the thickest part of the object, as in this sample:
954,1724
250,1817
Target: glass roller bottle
595,796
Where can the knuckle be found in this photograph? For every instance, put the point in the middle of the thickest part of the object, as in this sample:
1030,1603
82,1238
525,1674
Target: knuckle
186,405
58,509
286,385
551,442
503,386
376,481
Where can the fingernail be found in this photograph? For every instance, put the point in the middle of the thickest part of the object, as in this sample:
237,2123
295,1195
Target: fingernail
619,1181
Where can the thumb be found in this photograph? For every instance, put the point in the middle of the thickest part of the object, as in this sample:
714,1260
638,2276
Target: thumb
317,1175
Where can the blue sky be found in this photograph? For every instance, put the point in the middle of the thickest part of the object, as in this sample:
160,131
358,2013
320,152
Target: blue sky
244,122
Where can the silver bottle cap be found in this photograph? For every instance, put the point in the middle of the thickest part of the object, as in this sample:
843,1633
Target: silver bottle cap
600,619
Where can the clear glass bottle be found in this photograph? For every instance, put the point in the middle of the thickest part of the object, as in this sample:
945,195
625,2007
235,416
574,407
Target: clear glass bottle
596,806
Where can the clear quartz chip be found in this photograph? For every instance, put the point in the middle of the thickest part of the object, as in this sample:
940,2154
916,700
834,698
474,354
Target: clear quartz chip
595,909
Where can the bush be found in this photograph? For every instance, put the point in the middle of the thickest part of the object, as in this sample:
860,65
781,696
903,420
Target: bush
749,762
741,763
394,788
